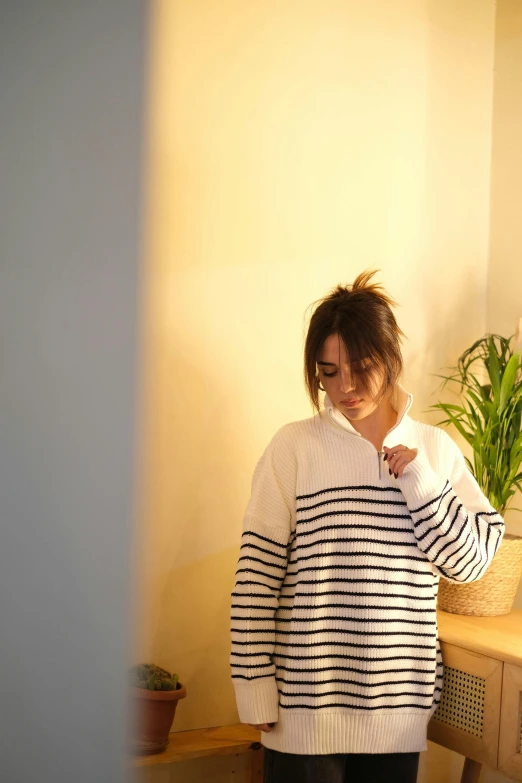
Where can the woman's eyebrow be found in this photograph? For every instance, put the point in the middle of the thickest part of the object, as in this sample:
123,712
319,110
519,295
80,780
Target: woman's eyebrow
332,364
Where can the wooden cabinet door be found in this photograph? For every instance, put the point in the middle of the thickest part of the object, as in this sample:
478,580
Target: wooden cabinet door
467,719
510,741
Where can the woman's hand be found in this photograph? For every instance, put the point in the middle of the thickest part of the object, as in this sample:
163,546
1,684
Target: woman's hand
263,726
398,457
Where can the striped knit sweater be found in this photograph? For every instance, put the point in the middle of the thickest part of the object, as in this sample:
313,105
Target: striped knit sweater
333,620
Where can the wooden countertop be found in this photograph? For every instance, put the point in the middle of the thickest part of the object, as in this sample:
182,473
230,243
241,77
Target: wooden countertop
498,637
219,741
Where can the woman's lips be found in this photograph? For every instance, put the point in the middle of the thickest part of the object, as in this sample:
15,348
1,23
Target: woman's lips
350,403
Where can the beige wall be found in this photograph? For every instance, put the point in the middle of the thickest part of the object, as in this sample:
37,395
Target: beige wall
504,302
291,145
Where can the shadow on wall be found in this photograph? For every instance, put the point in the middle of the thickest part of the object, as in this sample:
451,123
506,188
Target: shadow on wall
196,481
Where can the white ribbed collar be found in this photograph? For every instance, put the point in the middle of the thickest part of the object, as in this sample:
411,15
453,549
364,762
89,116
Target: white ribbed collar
401,401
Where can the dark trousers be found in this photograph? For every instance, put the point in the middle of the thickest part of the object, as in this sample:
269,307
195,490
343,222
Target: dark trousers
340,767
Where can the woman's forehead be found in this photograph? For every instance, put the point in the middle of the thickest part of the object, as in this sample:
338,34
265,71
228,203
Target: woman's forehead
332,351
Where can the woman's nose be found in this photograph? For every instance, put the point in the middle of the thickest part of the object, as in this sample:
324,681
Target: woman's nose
347,383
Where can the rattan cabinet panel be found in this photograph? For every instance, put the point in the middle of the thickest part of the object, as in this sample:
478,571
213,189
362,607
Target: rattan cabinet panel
467,719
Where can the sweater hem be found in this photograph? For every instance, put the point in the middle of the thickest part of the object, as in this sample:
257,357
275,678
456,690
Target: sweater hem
342,732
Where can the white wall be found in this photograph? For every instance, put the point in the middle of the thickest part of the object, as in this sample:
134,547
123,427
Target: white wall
291,145
71,81
504,302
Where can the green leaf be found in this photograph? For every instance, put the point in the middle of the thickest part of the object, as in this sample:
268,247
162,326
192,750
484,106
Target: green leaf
493,368
508,380
447,407
456,423
479,403
485,390
470,466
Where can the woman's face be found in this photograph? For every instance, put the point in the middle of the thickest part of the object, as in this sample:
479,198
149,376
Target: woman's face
351,389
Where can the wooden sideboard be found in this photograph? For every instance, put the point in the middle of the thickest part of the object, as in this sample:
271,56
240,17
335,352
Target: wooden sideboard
218,741
480,714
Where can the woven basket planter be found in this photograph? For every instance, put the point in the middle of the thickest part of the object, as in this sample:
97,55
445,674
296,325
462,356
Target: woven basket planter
495,592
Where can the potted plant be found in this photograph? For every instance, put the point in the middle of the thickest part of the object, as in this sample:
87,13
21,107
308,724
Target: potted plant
155,695
490,421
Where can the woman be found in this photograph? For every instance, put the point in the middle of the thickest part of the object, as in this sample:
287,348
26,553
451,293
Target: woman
354,515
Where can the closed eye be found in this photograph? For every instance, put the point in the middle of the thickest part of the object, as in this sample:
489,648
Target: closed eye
359,372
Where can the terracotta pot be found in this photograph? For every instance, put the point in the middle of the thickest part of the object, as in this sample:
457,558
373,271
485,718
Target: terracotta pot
152,719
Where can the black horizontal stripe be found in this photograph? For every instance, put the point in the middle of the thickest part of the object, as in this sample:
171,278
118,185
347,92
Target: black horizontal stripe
248,545
352,594
357,707
289,656
239,594
354,682
366,500
325,514
334,619
356,487
238,676
261,573
364,607
489,514
359,540
244,677
251,665
345,631
428,585
307,645
367,696
323,528
251,582
362,553
340,668
330,655
263,538
447,488
333,668
419,609
263,562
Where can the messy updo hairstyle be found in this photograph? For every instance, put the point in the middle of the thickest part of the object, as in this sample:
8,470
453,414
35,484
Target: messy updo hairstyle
361,315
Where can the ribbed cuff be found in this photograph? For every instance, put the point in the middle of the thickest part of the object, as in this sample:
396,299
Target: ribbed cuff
258,700
419,483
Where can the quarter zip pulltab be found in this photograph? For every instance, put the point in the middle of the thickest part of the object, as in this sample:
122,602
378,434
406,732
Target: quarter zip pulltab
379,455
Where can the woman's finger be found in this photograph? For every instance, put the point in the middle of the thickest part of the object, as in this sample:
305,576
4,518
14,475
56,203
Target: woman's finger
400,460
397,459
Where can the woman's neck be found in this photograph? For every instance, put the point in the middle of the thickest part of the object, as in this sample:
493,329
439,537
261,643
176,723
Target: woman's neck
375,426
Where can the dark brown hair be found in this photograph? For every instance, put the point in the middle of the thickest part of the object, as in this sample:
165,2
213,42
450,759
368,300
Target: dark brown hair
361,315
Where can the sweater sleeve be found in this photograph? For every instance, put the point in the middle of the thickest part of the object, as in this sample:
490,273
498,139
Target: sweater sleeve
267,525
456,527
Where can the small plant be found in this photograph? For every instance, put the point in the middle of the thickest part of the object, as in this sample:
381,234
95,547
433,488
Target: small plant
152,678
490,416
